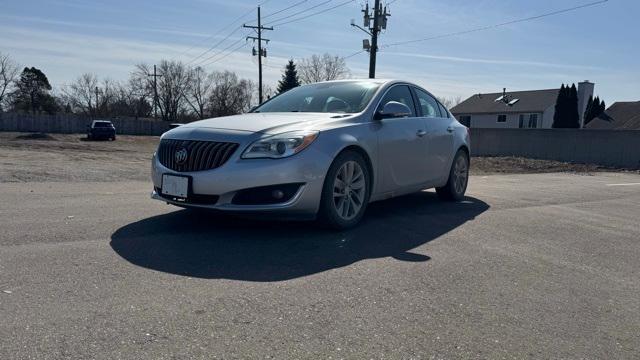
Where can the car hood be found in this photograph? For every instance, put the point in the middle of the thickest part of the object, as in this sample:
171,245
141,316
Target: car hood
270,123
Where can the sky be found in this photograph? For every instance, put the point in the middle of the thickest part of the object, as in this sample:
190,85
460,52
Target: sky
66,38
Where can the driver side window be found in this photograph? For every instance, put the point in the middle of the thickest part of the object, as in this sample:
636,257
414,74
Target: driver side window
401,94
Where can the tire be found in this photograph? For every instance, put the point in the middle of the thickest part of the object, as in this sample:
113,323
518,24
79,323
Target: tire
458,179
350,176
113,138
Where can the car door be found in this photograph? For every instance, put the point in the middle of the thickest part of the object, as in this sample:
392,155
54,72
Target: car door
402,146
439,135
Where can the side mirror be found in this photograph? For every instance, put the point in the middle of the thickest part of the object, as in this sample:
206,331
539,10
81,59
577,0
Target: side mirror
393,109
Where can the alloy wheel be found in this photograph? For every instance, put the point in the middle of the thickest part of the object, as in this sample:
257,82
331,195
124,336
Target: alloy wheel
460,174
349,189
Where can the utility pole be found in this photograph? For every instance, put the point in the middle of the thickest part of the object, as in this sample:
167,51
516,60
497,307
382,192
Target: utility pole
97,103
261,52
155,76
379,17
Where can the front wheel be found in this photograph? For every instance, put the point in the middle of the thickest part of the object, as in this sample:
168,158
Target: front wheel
346,191
458,179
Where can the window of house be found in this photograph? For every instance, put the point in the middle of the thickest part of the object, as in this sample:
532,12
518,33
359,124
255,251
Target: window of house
533,121
465,120
502,118
521,121
528,121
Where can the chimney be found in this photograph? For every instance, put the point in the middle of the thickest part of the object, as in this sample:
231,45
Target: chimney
585,90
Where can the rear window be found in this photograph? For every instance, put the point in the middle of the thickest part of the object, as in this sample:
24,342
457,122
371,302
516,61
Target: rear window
102,124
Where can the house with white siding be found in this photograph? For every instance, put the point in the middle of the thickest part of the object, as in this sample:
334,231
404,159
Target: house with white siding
532,109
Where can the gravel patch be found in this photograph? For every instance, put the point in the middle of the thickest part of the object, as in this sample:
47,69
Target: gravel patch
71,157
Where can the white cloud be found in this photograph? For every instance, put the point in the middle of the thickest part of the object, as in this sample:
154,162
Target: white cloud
489,61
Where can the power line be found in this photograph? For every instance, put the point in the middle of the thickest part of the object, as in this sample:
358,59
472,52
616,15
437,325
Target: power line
214,46
216,33
244,15
316,13
489,27
227,54
285,9
207,61
354,54
273,66
300,12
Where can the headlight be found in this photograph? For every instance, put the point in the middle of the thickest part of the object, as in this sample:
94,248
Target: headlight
281,145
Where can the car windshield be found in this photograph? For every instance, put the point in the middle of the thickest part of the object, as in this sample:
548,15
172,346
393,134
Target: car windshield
102,124
331,97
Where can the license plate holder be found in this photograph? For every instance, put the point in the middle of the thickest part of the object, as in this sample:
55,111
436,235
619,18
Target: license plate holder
176,186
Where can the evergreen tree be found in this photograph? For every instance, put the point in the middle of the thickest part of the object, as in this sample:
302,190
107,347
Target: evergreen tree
595,109
559,108
589,110
32,93
573,115
567,115
289,78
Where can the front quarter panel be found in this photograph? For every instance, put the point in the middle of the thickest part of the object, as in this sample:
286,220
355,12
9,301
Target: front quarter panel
358,134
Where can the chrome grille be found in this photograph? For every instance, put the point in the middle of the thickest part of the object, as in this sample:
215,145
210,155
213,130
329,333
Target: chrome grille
201,155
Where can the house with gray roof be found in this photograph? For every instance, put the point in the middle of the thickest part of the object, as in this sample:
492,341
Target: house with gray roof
619,116
532,109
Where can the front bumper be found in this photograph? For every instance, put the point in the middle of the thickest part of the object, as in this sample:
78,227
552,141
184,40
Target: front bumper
307,168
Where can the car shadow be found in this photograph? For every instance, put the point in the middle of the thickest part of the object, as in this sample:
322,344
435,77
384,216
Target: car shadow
213,246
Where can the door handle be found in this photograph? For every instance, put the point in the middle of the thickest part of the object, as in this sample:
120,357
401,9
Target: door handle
450,129
421,133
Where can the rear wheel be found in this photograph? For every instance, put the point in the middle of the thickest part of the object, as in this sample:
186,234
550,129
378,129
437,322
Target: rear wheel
346,191
458,178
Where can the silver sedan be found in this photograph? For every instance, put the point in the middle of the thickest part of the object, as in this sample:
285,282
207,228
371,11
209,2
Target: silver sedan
322,151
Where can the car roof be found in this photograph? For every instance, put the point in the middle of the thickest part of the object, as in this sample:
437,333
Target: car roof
377,81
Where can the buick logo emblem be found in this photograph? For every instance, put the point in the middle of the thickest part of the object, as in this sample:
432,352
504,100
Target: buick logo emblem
181,156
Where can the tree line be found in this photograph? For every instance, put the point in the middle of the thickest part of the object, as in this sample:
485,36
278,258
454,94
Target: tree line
567,114
179,93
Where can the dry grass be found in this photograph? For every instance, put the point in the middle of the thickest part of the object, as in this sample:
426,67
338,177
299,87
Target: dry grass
64,157
518,165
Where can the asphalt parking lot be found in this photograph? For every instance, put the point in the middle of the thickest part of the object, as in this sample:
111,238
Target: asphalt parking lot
530,266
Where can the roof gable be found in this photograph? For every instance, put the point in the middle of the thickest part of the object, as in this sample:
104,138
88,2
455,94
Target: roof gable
623,115
530,101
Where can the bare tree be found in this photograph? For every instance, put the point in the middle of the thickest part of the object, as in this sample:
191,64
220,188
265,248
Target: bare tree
199,91
230,95
322,68
9,71
81,94
106,96
133,98
450,102
95,98
268,92
171,86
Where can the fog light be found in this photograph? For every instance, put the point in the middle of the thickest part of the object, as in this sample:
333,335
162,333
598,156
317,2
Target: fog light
277,194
